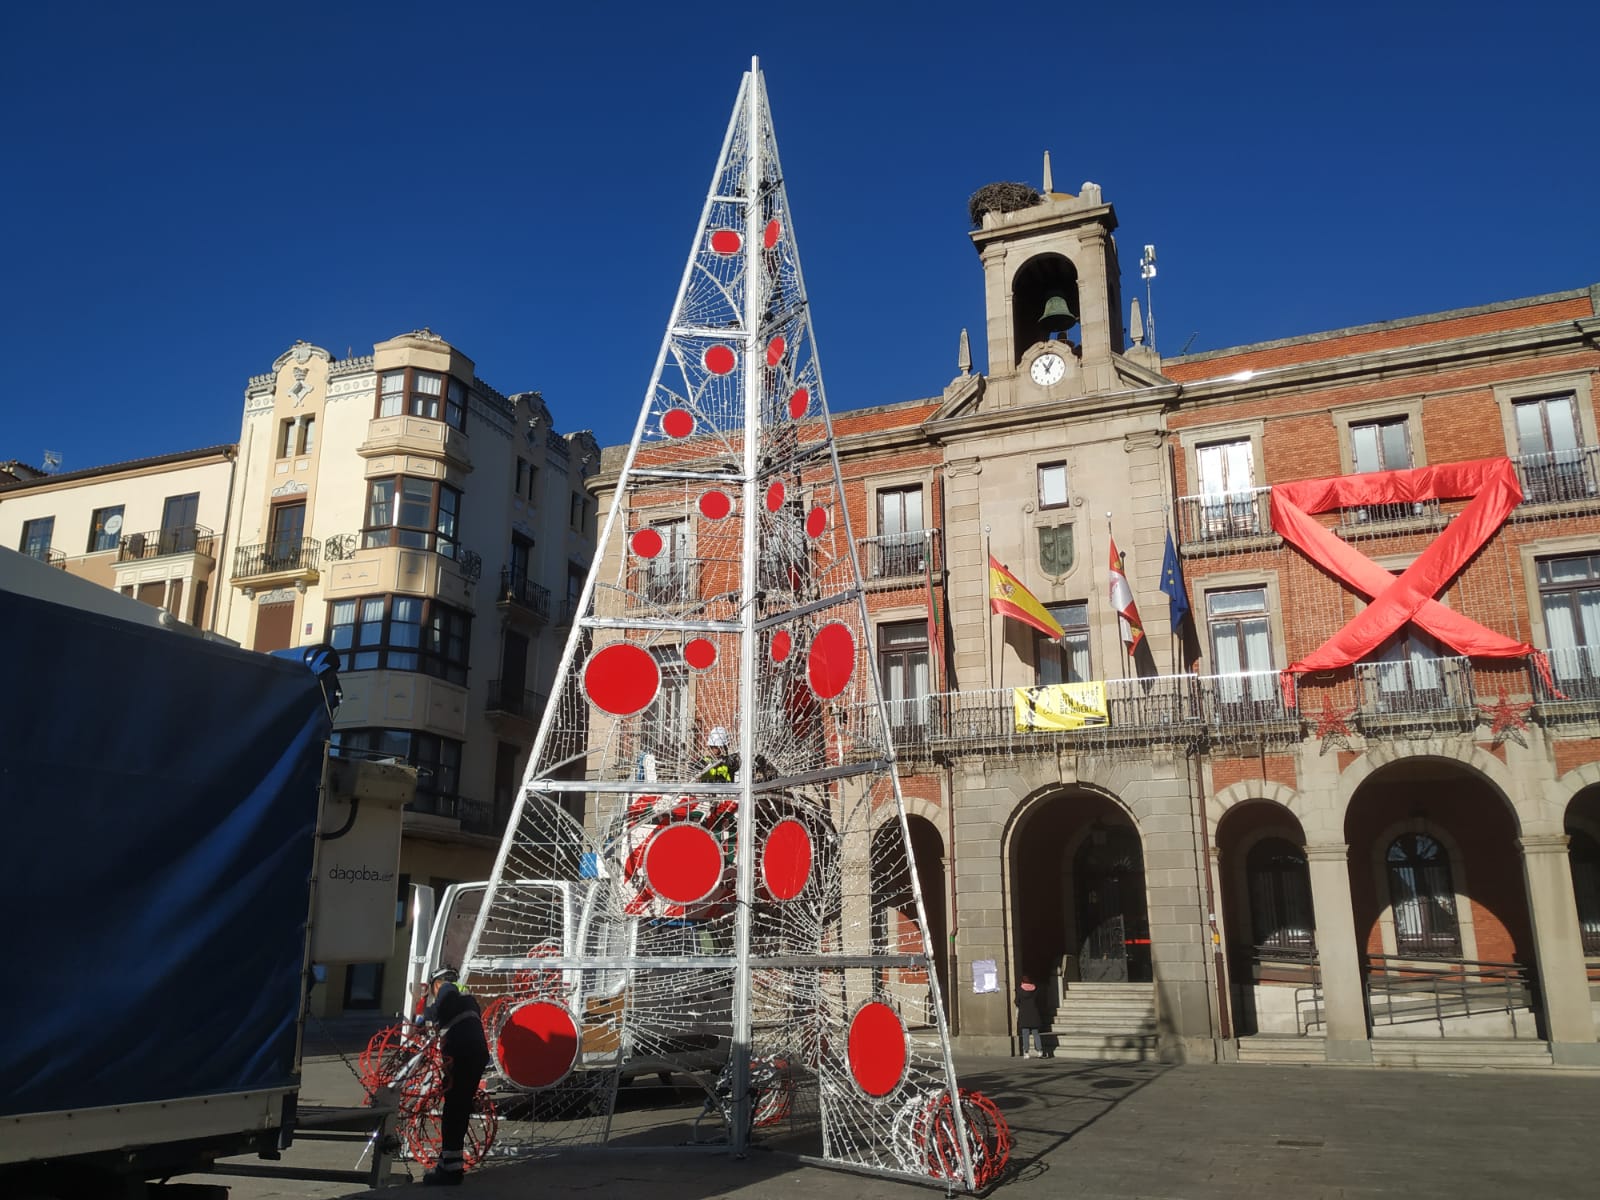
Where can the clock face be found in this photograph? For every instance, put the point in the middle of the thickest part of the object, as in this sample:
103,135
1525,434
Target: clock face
1048,369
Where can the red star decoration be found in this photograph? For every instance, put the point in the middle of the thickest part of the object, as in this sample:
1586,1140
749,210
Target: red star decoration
1333,725
1506,719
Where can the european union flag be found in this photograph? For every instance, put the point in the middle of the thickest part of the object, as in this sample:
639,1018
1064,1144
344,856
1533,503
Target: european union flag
1172,584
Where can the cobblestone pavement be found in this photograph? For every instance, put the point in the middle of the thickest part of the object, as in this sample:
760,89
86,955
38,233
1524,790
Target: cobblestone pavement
1091,1131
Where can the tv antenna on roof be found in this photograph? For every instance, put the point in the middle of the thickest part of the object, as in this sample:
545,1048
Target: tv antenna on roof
52,461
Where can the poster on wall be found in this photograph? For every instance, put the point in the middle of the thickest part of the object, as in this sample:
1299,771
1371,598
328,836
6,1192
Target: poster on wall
985,976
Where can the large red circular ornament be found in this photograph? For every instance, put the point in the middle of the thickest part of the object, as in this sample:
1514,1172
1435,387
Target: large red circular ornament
677,422
646,543
700,653
683,863
725,241
786,859
782,643
720,360
773,231
877,1049
621,679
799,403
816,522
538,1044
831,660
775,494
715,505
775,350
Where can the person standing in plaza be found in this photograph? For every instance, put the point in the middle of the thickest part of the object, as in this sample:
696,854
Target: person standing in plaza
1030,1022
466,1055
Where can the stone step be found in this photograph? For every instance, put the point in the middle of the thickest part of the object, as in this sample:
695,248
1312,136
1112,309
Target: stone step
1272,1048
1145,991
1111,1047
1460,1052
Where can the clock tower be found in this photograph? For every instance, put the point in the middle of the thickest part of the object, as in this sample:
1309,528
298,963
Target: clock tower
1052,295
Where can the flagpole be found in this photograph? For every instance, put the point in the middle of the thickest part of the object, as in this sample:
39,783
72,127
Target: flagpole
988,641
1122,641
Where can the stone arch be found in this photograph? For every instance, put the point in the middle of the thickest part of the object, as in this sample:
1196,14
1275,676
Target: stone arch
1574,781
1252,790
916,806
1467,754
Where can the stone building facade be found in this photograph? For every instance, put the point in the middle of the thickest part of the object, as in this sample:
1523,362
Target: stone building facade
397,507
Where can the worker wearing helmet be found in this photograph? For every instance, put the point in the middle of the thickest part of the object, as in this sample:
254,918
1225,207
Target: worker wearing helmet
466,1055
721,767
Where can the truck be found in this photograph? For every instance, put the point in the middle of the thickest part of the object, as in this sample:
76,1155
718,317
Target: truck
182,850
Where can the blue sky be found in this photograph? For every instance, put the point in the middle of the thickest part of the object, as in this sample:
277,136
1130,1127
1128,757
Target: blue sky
191,187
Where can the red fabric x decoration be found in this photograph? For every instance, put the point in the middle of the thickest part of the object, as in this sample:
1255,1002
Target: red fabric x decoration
1492,482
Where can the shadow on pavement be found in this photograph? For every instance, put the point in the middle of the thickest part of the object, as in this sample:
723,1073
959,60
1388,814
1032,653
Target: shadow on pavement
1048,1102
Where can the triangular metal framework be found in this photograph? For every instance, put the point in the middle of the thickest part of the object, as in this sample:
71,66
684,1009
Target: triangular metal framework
755,922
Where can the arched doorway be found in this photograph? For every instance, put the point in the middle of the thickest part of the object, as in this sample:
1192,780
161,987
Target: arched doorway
894,912
1440,903
1269,922
1078,892
1583,855
1112,926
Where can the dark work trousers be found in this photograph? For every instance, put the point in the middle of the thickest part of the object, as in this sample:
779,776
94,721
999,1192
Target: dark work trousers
463,1068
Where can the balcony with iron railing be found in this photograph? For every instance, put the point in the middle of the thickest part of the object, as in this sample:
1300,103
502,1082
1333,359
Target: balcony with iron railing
158,543
276,563
520,595
899,557
1218,519
1435,692
508,698
1566,478
50,558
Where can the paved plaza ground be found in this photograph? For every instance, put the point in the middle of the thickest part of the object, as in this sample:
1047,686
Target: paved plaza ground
1087,1131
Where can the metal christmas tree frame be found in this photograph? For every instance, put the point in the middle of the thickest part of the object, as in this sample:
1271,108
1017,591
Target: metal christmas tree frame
753,922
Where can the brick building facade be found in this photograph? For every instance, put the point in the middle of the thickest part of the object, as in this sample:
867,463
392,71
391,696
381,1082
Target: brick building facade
1388,860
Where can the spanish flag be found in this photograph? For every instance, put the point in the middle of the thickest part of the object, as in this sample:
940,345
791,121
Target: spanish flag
1009,598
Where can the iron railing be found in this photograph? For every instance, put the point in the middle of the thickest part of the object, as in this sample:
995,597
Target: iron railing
274,558
186,539
1403,991
51,558
1417,688
523,592
506,696
1575,672
1559,476
909,555
1224,516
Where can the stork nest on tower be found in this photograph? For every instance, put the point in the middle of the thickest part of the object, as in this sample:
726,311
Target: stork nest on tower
1001,198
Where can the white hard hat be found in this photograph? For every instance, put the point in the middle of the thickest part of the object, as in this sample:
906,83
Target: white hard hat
719,737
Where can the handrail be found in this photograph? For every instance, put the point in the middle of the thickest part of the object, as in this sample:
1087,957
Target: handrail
1450,982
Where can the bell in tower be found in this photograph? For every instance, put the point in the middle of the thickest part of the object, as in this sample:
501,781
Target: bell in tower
1057,317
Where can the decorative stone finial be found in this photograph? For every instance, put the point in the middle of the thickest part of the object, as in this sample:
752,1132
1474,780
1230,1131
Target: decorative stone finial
1136,325
1049,182
964,358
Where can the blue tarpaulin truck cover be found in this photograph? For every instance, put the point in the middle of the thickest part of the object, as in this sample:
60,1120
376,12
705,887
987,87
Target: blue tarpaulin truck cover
158,802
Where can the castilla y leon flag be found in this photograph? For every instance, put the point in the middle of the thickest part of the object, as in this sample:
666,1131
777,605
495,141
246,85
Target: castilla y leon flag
1009,598
1122,601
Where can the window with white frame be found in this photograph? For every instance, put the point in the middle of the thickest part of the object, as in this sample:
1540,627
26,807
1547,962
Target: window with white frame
1227,489
1552,460
1053,485
1241,647
904,666
1569,597
901,542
